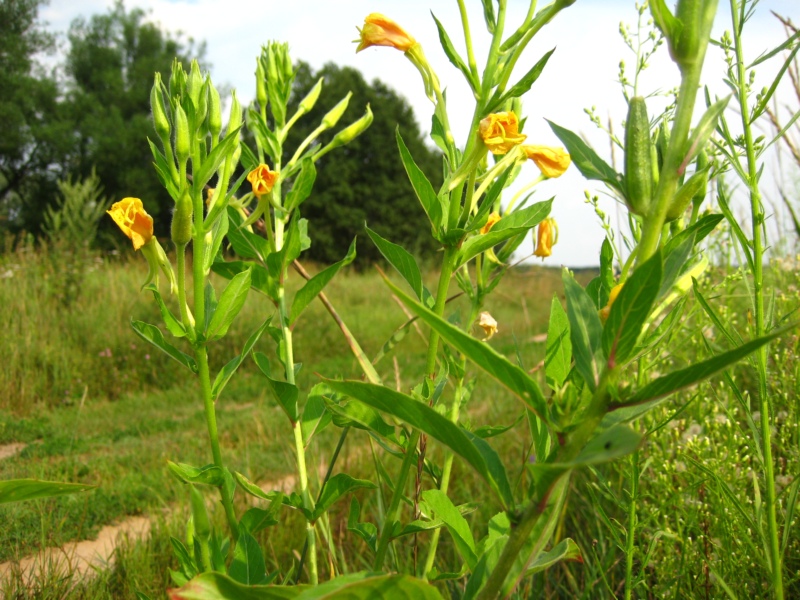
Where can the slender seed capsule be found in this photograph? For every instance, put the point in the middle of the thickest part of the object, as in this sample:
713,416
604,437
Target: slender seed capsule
160,120
638,160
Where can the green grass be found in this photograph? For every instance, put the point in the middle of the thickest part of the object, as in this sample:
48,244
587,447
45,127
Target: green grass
114,421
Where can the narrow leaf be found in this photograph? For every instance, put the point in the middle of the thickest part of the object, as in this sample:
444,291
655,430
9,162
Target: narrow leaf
152,334
230,303
586,331
422,187
316,284
17,490
558,352
586,160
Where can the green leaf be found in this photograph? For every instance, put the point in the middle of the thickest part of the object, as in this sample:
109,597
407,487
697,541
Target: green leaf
336,487
260,278
366,531
586,160
218,232
484,356
361,416
208,475
656,391
315,416
248,561
455,522
631,310
285,393
675,263
152,334
246,243
174,326
254,490
213,161
255,519
217,586
230,303
558,353
17,490
302,186
316,284
585,329
372,586
225,374
702,227
405,264
566,549
185,560
422,187
524,85
705,127
488,201
452,54
518,222
420,416
164,172
665,21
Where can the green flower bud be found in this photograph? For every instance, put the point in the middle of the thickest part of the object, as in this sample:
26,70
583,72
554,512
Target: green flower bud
307,103
177,80
202,106
214,111
160,120
334,114
638,159
697,17
261,84
235,115
182,220
695,185
194,84
182,145
352,131
202,526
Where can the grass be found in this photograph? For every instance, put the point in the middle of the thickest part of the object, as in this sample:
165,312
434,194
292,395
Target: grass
113,418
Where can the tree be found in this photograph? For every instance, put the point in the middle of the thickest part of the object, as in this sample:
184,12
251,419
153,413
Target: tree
111,63
35,133
364,181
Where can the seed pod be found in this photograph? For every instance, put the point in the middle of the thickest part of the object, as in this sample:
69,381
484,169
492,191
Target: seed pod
160,120
182,220
694,186
638,161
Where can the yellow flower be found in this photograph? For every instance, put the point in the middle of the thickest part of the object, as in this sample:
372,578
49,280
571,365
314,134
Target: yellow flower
379,30
488,324
547,236
493,218
262,180
552,162
612,295
130,216
500,132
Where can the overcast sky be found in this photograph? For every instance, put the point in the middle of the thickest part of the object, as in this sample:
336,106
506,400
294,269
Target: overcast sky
581,73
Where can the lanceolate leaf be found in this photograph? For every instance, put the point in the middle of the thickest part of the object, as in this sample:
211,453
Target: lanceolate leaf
656,391
303,184
420,416
174,326
585,329
630,311
286,393
558,353
523,85
455,522
230,368
17,490
404,263
452,54
586,160
335,488
248,561
423,188
208,475
316,284
152,334
230,303
214,160
483,355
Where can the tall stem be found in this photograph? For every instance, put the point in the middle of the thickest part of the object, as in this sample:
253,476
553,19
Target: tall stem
631,532
757,214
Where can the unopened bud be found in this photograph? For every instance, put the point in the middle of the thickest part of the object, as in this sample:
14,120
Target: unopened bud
202,104
334,114
307,103
194,84
696,185
235,115
182,220
214,111
351,132
182,144
160,120
261,84
177,79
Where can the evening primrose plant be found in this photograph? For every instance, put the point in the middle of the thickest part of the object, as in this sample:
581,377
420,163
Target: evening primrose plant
248,229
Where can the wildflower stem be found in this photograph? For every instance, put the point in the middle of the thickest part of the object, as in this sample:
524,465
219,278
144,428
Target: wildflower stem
473,66
757,215
184,308
631,529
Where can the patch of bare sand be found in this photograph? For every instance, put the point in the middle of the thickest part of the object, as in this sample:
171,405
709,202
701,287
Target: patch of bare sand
9,450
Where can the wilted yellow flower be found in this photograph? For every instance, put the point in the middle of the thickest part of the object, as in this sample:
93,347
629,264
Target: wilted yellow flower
612,295
552,162
209,195
493,218
546,238
380,30
500,132
262,180
488,324
130,216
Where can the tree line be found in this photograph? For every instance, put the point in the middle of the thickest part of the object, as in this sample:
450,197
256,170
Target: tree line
91,113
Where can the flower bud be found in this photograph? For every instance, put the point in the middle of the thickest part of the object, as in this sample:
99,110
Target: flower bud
307,103
695,186
182,145
697,17
261,84
547,236
235,115
177,80
160,120
214,111
490,222
334,114
638,159
352,131
182,220
202,105
194,84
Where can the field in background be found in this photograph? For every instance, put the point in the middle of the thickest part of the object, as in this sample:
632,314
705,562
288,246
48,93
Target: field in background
92,403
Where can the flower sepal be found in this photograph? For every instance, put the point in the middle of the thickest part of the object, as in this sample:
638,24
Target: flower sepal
157,260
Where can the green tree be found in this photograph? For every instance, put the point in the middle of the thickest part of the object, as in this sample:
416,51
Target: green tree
35,131
364,182
111,62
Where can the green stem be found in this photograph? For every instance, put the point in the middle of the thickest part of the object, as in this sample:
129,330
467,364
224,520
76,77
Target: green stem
757,214
186,317
668,180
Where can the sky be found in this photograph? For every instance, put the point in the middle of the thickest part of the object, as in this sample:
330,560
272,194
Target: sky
583,71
